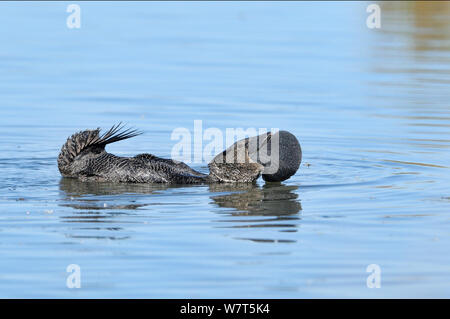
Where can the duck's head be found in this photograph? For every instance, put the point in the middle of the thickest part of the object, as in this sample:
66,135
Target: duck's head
275,156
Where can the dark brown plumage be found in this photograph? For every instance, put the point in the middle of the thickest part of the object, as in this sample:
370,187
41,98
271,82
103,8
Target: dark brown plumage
83,156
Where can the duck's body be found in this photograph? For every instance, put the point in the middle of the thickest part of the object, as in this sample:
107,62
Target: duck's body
83,156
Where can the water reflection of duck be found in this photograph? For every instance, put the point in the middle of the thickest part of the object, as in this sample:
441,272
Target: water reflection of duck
268,200
277,204
72,187
83,156
92,195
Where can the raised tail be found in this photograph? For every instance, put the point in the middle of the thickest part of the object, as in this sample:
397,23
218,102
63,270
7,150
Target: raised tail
90,141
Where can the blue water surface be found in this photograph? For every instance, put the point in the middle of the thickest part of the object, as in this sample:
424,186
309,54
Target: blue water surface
370,108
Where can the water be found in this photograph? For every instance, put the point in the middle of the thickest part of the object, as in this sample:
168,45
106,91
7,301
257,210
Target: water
370,108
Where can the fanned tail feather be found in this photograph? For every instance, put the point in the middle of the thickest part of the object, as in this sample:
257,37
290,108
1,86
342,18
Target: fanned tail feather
83,140
115,134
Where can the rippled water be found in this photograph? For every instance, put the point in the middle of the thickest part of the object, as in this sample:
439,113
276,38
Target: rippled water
369,106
